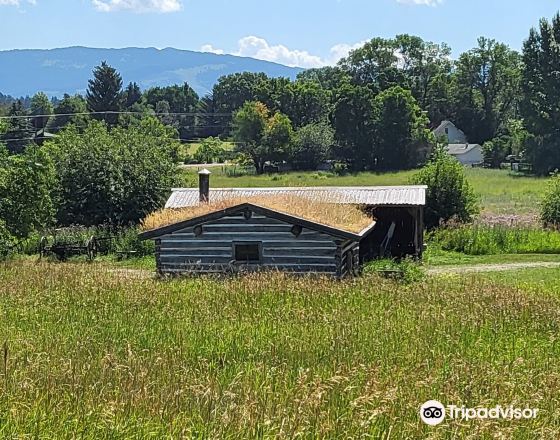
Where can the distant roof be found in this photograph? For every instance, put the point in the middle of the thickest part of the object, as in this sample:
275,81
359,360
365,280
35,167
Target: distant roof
459,149
365,195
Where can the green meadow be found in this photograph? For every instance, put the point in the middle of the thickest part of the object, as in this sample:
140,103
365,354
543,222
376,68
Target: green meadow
95,354
501,192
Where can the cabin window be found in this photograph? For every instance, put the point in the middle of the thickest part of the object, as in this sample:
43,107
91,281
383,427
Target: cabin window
247,252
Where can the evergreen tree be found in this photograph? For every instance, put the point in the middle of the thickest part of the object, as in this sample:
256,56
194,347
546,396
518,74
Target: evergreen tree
208,123
20,132
541,96
132,94
68,111
41,108
104,93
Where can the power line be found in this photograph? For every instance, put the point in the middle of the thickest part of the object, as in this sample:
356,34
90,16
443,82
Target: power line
119,113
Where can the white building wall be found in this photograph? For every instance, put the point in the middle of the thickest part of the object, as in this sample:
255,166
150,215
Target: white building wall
474,156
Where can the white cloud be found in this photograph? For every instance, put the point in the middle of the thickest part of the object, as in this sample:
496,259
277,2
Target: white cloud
421,2
16,2
210,49
138,6
259,48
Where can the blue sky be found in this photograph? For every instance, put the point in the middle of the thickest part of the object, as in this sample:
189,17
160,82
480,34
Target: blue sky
306,33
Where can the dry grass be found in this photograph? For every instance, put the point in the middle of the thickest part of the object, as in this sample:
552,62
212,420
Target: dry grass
347,217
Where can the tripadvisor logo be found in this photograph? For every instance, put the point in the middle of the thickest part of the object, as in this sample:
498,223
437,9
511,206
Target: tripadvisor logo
433,412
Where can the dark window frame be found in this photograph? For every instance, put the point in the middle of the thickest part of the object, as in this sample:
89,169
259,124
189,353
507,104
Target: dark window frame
247,243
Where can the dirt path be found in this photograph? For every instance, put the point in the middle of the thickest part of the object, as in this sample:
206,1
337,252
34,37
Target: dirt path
490,267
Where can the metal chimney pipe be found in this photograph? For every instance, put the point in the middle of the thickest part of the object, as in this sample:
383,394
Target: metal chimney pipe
204,185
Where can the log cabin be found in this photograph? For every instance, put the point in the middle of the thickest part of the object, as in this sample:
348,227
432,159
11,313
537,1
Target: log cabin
251,237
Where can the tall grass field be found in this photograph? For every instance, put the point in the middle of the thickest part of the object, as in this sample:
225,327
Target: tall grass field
93,353
494,240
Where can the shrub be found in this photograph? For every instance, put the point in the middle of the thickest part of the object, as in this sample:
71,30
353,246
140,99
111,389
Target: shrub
311,145
113,176
550,205
407,270
492,240
449,195
6,240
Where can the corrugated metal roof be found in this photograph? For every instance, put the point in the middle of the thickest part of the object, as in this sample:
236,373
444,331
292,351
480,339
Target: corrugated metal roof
367,195
458,149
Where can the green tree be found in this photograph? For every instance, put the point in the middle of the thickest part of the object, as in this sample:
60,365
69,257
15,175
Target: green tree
540,106
354,120
113,176
406,61
310,103
449,195
402,138
19,132
70,110
104,94
231,92
211,150
209,122
312,144
132,95
330,78
261,137
27,181
183,104
41,109
486,93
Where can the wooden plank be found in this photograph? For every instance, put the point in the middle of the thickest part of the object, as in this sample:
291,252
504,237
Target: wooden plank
228,252
229,228
248,236
280,244
181,261
298,260
309,251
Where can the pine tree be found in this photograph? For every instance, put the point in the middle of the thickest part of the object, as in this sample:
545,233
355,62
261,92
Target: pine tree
208,124
41,107
132,94
20,131
104,93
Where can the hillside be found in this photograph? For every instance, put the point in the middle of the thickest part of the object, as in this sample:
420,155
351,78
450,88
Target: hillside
67,70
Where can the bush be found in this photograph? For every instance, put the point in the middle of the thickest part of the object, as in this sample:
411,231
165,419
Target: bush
550,205
407,270
114,176
449,195
493,240
6,240
311,145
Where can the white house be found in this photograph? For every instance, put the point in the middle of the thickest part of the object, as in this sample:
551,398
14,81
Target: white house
448,130
467,154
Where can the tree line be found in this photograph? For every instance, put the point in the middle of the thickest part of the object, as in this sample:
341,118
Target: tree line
374,110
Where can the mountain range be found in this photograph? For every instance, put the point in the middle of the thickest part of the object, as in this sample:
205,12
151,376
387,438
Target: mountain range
67,70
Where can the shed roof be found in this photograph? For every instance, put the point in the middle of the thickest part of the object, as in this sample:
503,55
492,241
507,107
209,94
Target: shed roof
366,195
459,149
336,232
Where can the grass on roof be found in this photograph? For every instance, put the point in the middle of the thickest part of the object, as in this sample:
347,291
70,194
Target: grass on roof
346,217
